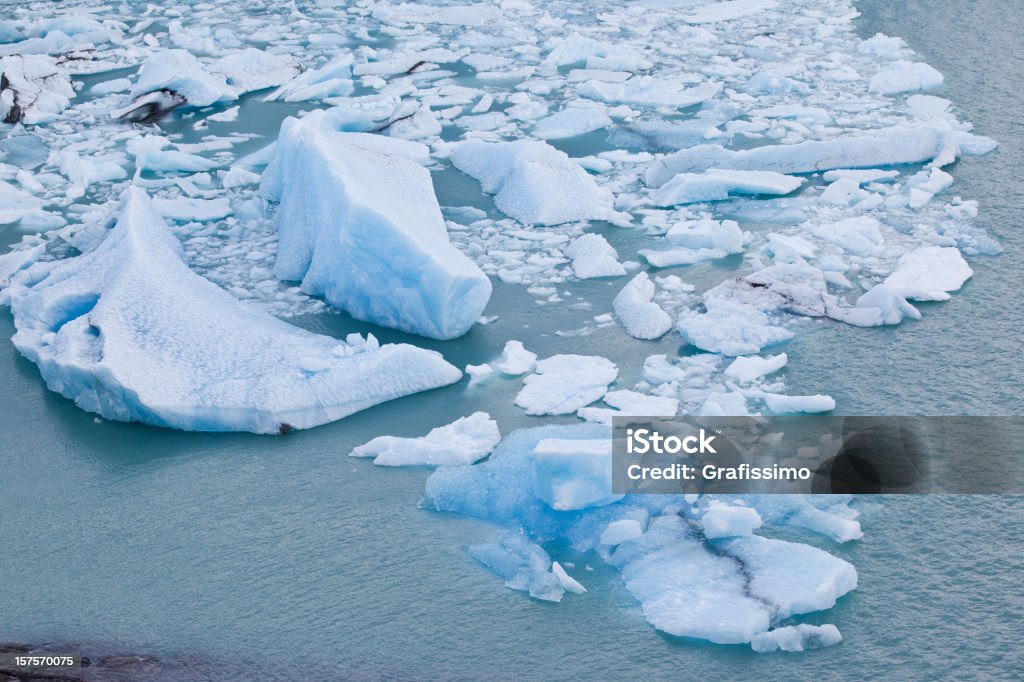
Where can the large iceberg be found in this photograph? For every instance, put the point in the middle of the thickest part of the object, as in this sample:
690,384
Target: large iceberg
128,331
533,182
362,228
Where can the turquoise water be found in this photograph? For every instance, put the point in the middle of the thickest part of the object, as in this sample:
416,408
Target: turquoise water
241,557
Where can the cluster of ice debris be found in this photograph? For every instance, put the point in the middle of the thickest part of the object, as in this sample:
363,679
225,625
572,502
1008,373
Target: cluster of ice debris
155,261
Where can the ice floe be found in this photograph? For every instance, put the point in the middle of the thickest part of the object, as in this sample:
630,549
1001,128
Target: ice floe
126,330
364,230
464,441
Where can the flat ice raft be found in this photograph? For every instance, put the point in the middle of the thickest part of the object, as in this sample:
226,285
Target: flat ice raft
362,227
129,332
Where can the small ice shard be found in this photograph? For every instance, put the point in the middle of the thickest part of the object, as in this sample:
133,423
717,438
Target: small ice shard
478,374
592,256
746,369
151,153
565,383
525,566
621,531
363,229
922,143
903,76
573,474
650,92
801,637
462,442
333,79
570,122
127,331
730,328
33,89
639,314
722,520
718,185
928,273
515,359
568,583
533,182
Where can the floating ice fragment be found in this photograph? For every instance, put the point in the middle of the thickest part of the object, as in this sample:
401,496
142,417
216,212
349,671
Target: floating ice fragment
363,229
928,273
718,185
515,359
921,143
570,122
801,637
592,256
902,76
722,520
621,531
524,565
746,369
462,442
33,89
565,383
639,314
574,474
533,182
727,11
126,330
568,583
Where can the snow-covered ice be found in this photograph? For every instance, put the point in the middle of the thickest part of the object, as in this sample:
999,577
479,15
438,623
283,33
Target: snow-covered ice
129,332
639,314
718,185
592,256
929,273
515,359
533,182
464,441
563,384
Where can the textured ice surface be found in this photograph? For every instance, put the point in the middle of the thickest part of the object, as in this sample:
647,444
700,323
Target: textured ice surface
592,256
533,182
639,314
524,566
363,229
573,474
515,359
722,520
129,332
796,638
728,591
929,273
464,441
34,88
564,383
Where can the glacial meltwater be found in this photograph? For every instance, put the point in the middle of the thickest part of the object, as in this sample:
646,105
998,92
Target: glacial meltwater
238,556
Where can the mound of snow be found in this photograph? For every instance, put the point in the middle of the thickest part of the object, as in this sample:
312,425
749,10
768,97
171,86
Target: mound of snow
363,229
464,441
533,182
126,330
